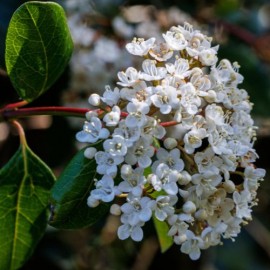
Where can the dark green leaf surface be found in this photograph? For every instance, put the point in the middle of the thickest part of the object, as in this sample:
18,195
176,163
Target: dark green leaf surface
162,229
70,193
38,47
25,183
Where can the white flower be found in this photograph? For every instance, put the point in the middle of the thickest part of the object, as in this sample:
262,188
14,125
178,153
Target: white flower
175,40
205,184
163,206
115,146
135,232
107,164
104,190
192,246
189,100
130,134
140,46
242,201
141,153
171,159
208,162
193,139
112,118
161,52
252,178
137,111
110,97
208,57
136,210
134,180
180,68
152,129
92,131
178,229
164,179
128,78
151,72
214,114
165,98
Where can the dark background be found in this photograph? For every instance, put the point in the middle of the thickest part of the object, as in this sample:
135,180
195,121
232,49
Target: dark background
244,37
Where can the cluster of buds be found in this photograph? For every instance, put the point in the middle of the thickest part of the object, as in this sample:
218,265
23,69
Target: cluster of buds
177,143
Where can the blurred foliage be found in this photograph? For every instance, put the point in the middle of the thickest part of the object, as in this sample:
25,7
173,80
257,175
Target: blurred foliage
97,247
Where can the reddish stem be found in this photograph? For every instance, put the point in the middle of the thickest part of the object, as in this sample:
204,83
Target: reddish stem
20,132
65,111
169,124
14,113
16,105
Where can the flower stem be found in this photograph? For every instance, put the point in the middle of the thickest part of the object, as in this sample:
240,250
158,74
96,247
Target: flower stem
16,105
169,124
20,132
9,114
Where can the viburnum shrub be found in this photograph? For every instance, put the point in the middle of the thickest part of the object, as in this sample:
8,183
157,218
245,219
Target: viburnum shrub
173,142
177,143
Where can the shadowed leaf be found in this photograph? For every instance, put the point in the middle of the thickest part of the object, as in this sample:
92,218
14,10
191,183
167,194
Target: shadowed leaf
25,183
70,192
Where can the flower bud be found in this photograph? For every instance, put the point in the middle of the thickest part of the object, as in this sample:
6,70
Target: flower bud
92,202
115,210
201,214
126,170
90,152
94,99
229,186
170,143
184,178
189,207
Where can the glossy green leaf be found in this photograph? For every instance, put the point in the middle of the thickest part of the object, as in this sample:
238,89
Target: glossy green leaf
162,229
70,192
38,47
25,184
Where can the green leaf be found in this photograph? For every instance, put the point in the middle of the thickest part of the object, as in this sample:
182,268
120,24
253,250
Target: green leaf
38,47
162,229
70,192
25,184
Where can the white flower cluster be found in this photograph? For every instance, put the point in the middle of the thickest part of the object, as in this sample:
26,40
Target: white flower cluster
177,143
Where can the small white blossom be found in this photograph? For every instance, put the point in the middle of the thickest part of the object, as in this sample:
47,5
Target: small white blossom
92,131
106,163
134,180
110,97
112,118
104,190
165,98
151,72
140,46
115,146
163,207
141,153
136,210
135,232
